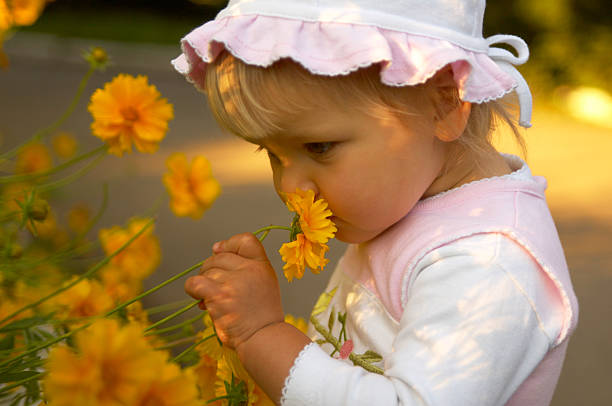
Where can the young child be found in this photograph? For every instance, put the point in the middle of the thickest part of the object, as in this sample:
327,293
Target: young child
454,273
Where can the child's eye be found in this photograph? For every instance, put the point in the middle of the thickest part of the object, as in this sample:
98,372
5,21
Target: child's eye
319,148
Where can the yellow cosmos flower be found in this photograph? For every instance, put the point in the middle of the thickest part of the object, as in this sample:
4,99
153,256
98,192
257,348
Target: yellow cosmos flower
78,218
129,110
301,253
255,395
314,221
119,285
171,387
206,374
6,19
297,322
192,188
139,258
110,367
212,348
85,299
64,145
26,12
33,157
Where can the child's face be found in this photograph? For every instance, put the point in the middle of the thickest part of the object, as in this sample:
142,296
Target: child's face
370,170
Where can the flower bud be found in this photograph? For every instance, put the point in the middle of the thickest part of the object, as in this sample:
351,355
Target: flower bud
38,210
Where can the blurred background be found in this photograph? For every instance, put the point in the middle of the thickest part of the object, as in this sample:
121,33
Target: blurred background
570,142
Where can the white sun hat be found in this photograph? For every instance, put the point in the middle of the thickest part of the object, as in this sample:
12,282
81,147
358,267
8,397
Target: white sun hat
410,39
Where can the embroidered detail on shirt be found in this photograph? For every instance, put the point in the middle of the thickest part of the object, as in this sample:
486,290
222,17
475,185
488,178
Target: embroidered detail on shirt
342,344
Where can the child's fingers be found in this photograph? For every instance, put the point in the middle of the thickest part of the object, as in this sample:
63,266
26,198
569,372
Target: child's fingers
246,245
225,260
198,287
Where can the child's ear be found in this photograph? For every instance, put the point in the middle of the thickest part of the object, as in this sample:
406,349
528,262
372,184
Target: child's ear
451,126
450,112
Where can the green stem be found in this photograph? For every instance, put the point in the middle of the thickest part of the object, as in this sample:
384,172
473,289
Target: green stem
176,342
176,326
267,228
332,340
70,178
154,289
54,126
21,382
87,274
218,398
167,306
173,315
55,169
188,350
116,309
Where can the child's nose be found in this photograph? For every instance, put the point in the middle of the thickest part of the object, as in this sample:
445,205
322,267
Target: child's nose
293,178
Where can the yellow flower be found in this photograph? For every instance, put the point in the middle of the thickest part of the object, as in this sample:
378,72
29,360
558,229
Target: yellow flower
139,258
129,110
119,285
255,395
171,387
33,157
110,367
301,253
212,348
26,12
313,215
192,188
64,145
297,322
85,299
78,218
206,374
6,19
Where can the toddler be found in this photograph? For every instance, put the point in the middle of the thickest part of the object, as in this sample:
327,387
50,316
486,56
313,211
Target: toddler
454,273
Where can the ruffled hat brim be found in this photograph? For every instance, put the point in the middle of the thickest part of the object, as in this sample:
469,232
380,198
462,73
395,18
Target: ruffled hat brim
340,48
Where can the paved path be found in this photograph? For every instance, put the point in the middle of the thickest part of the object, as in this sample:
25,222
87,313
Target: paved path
43,75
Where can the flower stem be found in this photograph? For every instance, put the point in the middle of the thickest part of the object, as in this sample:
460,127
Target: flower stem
21,382
174,343
267,229
116,309
58,168
87,274
154,289
72,177
188,350
54,126
166,306
176,326
333,341
173,315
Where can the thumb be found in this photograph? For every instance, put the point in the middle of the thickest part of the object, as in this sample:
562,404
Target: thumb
245,245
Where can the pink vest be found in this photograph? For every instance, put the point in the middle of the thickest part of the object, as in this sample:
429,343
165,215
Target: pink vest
514,207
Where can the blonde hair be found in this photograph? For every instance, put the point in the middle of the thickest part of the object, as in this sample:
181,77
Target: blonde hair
254,102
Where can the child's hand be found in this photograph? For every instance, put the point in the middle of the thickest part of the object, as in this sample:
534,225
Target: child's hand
239,288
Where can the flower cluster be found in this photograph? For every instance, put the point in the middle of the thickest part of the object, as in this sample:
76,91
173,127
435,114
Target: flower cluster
311,230
112,364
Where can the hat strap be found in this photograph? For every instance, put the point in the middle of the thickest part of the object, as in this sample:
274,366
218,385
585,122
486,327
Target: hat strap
506,61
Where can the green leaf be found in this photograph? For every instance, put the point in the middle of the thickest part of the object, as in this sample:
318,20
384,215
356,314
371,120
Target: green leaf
22,324
371,356
8,342
323,302
321,341
332,319
18,376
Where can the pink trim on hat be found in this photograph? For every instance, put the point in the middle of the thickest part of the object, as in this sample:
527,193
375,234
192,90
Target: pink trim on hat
338,49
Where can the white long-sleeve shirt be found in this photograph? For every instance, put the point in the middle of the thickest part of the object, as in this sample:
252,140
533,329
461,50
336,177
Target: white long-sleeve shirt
479,317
